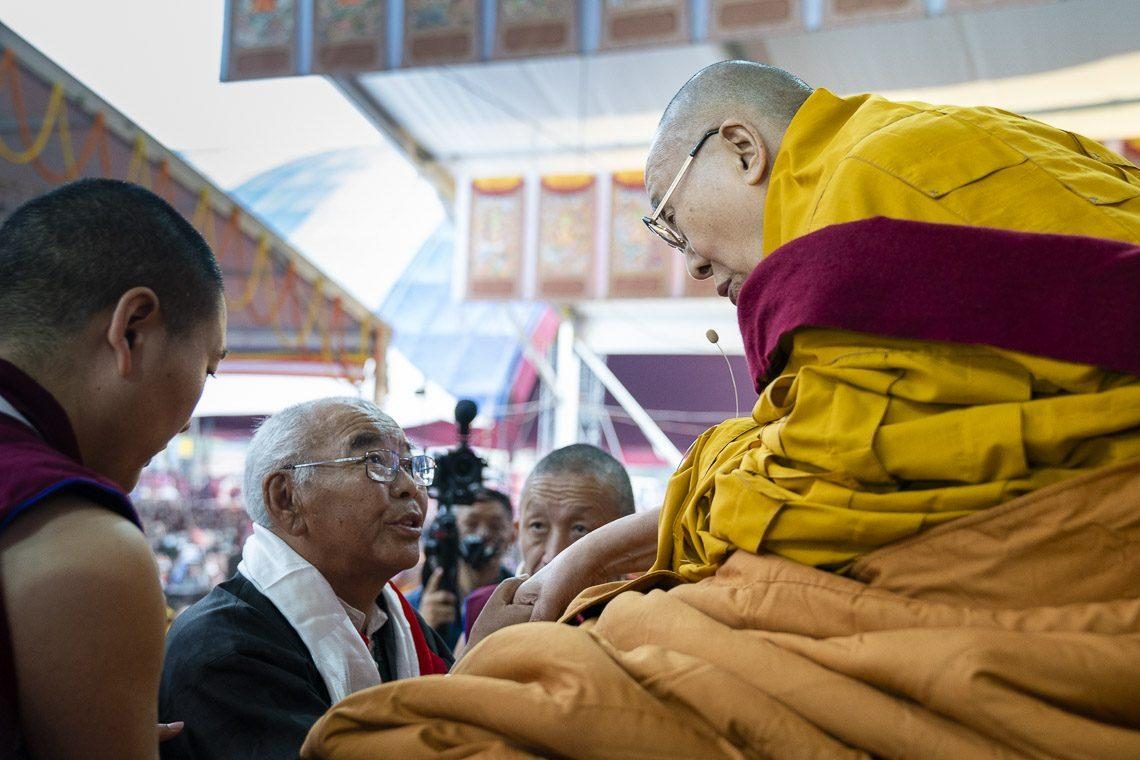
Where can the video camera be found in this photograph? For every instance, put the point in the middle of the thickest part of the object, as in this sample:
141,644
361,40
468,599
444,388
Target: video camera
458,479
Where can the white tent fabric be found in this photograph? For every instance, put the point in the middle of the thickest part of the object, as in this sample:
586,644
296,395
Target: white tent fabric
598,112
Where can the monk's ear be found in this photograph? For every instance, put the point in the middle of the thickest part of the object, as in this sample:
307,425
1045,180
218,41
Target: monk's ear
749,151
134,321
279,491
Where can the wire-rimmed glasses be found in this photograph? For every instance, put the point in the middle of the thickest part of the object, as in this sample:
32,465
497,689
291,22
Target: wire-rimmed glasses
654,222
382,465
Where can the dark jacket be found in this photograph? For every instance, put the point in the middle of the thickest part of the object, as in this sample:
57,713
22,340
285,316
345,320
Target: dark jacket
243,681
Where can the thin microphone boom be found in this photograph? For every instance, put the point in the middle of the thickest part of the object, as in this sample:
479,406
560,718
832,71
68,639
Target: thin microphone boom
715,340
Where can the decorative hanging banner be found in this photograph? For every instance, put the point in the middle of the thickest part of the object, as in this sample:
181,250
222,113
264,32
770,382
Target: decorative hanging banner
966,5
840,12
440,31
644,22
567,252
733,19
349,36
261,39
566,238
282,310
266,37
494,251
536,27
639,261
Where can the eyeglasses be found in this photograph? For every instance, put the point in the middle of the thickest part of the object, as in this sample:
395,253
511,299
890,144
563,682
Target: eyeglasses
383,465
659,226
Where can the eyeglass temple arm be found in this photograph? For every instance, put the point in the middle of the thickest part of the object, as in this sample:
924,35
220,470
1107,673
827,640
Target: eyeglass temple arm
680,173
316,464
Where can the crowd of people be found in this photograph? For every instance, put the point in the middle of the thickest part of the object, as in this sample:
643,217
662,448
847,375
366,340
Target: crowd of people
196,544
919,544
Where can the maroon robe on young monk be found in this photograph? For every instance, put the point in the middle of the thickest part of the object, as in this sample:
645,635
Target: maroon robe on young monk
39,457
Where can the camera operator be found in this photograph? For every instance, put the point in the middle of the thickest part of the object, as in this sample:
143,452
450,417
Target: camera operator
486,532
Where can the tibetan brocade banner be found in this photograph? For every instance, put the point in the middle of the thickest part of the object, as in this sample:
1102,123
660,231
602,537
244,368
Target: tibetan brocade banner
641,265
733,19
567,248
440,31
626,23
297,37
260,40
842,12
349,36
565,238
495,238
536,27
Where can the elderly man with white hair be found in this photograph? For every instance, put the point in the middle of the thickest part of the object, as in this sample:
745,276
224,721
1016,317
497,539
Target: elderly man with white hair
337,500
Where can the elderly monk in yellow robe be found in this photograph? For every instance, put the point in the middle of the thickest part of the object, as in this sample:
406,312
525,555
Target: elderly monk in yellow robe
923,543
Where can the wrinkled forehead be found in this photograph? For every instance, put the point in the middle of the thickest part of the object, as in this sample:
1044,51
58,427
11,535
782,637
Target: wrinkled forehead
351,429
566,492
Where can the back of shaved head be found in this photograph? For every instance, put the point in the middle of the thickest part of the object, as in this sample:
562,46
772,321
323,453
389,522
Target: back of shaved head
764,94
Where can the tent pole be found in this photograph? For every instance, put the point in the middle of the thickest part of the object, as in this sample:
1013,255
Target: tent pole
660,442
568,389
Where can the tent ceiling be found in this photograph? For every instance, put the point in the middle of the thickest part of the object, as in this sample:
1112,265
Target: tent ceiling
284,315
587,113
1074,63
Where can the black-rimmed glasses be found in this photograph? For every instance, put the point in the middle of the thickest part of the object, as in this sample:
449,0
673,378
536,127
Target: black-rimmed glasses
654,222
383,465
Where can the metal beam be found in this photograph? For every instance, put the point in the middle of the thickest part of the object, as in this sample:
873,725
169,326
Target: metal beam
660,442
567,416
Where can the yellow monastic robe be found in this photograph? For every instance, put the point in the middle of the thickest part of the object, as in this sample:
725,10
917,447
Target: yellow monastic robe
865,440
846,159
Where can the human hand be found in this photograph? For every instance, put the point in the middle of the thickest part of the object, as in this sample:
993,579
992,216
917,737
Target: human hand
436,605
499,612
167,731
626,545
551,589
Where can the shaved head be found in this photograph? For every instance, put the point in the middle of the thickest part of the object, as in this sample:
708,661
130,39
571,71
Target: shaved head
736,113
764,94
570,492
581,460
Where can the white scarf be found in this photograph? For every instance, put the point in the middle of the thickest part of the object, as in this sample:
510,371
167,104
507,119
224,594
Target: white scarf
309,603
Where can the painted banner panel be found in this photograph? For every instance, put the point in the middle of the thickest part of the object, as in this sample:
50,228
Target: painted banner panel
349,36
969,5
262,39
734,19
440,31
839,12
567,222
627,23
536,27
495,239
640,262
